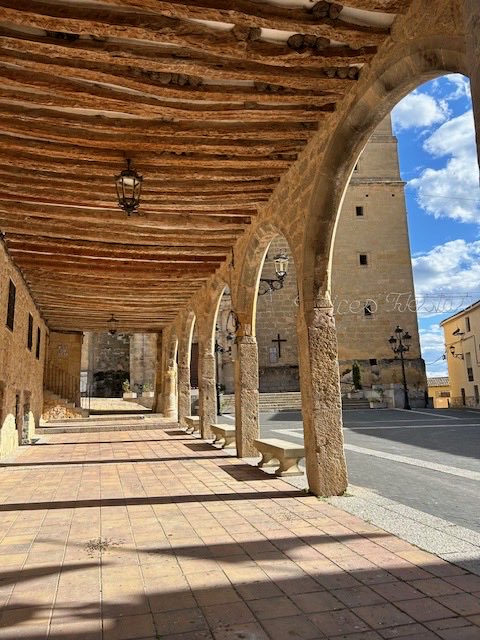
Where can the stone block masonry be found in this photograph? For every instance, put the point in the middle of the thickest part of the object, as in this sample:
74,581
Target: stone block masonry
22,358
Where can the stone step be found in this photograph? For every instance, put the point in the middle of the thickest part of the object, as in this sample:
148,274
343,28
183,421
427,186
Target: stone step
289,401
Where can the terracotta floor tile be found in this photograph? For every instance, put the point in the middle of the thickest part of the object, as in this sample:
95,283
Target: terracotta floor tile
462,603
180,621
291,628
273,608
317,602
382,615
424,609
129,627
335,623
233,613
176,551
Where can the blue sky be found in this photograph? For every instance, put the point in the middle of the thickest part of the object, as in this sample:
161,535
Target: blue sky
438,161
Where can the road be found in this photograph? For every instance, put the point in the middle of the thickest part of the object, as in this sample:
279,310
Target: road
426,459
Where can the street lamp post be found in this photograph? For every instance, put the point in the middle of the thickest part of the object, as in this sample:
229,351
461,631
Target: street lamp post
400,343
218,349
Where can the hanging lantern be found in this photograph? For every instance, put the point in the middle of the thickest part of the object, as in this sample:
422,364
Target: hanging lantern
129,187
112,325
281,265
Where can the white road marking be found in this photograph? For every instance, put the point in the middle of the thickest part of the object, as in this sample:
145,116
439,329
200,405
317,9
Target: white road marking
414,426
416,462
431,415
226,415
294,433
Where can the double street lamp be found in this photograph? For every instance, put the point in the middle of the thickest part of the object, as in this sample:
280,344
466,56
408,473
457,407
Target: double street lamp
400,343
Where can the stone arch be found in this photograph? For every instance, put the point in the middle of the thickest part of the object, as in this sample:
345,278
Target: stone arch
187,326
170,391
407,66
206,312
249,275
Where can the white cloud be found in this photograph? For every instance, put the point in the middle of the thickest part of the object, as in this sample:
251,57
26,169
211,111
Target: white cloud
453,268
451,191
432,346
461,86
419,110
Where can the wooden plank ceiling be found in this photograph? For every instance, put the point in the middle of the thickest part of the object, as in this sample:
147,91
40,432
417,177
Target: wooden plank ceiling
212,99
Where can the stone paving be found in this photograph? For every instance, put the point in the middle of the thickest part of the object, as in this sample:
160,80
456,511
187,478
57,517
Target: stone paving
153,534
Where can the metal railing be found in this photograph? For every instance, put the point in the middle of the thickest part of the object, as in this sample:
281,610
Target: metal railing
62,383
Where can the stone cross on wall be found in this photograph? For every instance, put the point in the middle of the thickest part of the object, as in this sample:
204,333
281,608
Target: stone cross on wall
279,341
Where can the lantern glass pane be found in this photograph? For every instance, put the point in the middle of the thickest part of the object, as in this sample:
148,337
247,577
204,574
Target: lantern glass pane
281,265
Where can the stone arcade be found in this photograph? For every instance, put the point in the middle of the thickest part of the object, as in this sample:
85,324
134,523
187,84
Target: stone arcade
245,123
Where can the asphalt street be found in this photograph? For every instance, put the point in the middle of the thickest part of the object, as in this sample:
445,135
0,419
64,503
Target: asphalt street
425,459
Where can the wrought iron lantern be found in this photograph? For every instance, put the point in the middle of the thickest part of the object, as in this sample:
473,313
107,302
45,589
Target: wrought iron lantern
455,355
112,325
400,344
129,188
267,285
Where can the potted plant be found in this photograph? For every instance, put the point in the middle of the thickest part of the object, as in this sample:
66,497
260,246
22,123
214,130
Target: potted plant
378,402
128,394
147,390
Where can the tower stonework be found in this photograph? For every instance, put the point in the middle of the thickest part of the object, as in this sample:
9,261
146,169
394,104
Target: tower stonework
372,282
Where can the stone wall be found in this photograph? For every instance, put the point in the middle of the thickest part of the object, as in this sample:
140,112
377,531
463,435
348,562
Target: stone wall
62,373
106,363
385,283
21,372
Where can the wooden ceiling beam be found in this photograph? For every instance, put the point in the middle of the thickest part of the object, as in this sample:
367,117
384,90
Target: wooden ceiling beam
132,236
93,98
118,220
133,127
59,152
38,132
192,170
104,22
106,249
158,60
248,12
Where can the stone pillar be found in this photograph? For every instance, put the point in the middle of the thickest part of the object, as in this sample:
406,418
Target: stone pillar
207,399
142,360
170,391
184,393
321,402
246,396
472,32
158,400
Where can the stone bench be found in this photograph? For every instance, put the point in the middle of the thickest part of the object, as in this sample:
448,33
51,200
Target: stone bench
225,433
193,424
280,452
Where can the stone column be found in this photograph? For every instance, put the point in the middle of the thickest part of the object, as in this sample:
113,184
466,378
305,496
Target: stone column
158,400
207,399
184,393
170,391
472,32
246,396
321,402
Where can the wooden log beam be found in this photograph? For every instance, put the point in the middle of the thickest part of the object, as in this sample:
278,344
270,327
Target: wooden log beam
118,220
248,12
150,160
34,130
31,89
92,230
154,28
134,127
157,62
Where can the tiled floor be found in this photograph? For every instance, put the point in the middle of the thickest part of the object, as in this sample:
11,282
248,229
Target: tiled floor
153,534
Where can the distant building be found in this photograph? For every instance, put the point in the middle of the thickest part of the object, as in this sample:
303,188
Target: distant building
439,392
372,286
462,335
